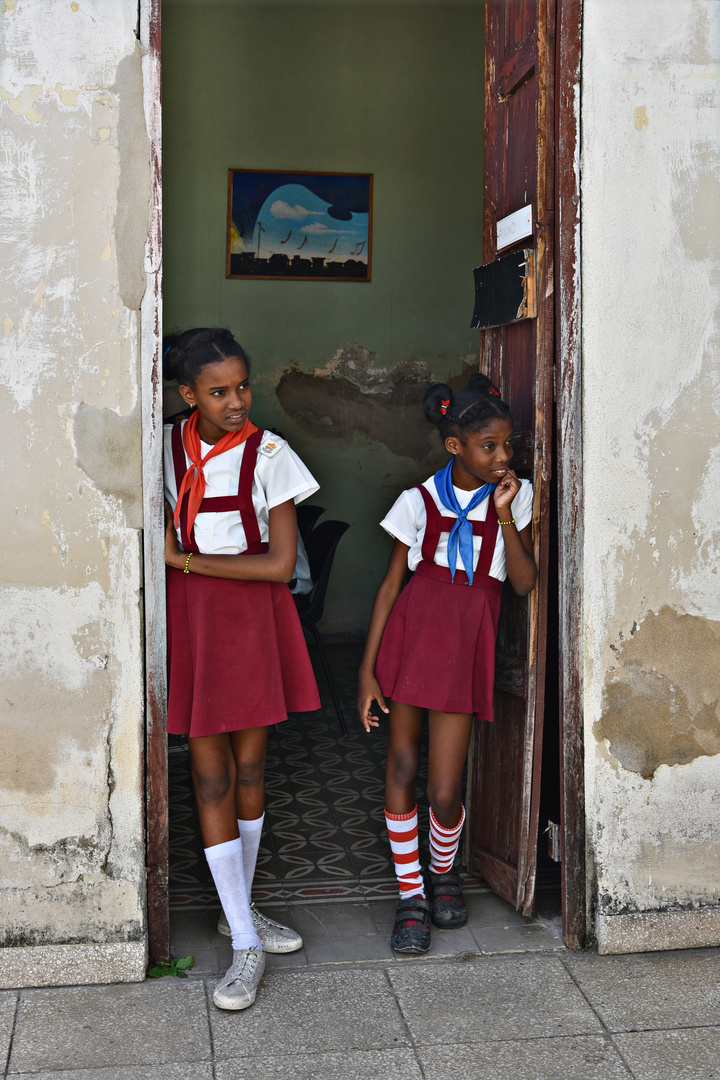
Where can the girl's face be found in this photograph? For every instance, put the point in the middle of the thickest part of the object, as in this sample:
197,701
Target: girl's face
223,397
485,456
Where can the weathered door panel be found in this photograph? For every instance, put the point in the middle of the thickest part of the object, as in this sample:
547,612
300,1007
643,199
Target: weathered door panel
506,755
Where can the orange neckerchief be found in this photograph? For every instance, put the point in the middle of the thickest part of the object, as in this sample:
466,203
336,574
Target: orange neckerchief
194,479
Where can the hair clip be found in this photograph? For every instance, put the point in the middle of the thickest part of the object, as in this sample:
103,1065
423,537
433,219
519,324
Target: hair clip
494,391
444,406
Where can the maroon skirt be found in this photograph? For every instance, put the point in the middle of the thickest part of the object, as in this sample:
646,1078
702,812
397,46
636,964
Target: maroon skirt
438,649
237,656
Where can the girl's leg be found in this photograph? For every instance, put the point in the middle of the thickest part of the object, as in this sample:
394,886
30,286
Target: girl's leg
448,742
411,929
449,738
406,724
249,751
214,773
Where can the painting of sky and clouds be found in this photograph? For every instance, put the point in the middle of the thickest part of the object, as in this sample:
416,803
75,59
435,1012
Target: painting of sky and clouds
299,225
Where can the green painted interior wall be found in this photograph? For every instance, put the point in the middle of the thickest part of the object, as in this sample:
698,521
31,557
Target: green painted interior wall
391,88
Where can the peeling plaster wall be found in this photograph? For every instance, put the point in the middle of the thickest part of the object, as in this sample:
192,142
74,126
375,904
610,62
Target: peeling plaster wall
74,198
391,88
651,429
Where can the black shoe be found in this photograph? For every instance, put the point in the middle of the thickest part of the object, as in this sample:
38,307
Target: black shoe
447,902
411,932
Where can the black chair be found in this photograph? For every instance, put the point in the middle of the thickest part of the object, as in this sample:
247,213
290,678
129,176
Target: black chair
307,515
320,544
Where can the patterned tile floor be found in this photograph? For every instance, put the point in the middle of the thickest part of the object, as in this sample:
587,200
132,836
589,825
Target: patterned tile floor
325,830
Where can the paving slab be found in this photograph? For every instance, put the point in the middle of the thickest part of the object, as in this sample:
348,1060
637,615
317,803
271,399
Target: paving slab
8,1005
208,959
191,929
312,1012
337,933
487,909
323,922
516,938
575,1058
196,1070
642,991
491,998
157,1022
398,1064
281,961
690,1054
195,933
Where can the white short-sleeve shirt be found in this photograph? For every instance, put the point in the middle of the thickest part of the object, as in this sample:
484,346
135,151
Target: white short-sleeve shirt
407,519
279,476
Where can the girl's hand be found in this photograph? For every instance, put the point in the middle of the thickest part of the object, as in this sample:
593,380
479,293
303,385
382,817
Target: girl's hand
369,691
504,494
174,556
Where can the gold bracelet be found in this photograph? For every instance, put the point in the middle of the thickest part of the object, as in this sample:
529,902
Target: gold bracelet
510,522
187,563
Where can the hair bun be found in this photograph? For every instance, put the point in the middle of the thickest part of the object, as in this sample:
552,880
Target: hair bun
438,399
171,357
480,384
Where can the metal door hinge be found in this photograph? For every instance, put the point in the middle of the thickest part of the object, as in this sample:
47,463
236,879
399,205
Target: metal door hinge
553,835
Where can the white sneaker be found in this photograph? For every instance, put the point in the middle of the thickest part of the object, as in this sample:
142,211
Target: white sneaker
275,937
237,990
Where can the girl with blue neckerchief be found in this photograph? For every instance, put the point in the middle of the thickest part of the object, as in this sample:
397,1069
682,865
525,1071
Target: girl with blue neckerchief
431,645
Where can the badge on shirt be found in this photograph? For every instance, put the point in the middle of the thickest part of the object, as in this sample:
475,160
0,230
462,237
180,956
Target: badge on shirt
269,446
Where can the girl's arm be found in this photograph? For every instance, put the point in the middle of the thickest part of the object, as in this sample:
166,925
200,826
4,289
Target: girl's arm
276,565
519,554
387,594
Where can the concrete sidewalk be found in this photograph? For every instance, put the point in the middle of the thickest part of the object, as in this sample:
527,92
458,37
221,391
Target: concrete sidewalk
500,999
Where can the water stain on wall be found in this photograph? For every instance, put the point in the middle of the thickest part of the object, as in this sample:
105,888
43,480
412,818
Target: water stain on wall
352,395
660,704
108,449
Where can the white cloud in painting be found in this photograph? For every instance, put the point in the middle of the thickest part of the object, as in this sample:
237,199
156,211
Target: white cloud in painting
318,227
281,209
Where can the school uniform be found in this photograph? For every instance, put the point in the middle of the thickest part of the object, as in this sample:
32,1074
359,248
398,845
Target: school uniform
438,648
237,656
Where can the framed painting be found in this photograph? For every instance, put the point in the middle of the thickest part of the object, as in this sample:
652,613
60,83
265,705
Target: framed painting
299,226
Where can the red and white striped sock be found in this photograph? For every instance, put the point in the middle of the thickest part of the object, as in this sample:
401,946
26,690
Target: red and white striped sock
403,833
443,844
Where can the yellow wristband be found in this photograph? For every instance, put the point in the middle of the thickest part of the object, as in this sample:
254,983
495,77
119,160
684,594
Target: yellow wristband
510,522
187,563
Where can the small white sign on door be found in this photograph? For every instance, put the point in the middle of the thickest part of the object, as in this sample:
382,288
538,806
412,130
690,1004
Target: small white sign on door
514,227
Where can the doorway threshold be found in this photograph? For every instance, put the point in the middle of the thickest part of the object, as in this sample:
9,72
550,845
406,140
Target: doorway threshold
359,932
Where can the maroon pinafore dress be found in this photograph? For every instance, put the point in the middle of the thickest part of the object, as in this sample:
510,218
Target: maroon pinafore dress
438,649
237,656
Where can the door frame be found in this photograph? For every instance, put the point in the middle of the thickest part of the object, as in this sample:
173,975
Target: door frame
568,462
156,793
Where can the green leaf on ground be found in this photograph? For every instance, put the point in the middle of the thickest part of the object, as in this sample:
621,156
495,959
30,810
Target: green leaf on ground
176,967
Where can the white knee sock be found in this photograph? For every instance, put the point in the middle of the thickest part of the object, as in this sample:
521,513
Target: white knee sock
226,866
250,832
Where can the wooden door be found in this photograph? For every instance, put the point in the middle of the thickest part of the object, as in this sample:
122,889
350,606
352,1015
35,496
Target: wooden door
504,787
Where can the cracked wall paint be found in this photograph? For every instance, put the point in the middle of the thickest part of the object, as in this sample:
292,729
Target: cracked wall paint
74,160
660,705
351,396
651,417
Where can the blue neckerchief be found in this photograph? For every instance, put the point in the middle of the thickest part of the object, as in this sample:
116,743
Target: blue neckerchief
461,534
